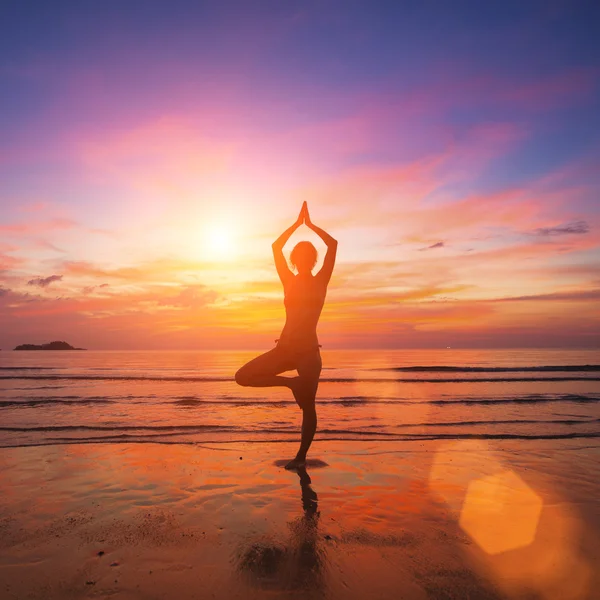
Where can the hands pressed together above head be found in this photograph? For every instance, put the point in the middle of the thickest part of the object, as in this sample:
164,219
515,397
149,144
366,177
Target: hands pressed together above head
303,217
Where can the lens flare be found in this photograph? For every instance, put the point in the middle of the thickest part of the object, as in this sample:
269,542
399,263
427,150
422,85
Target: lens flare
501,512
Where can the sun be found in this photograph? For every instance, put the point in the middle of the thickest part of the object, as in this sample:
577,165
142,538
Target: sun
220,242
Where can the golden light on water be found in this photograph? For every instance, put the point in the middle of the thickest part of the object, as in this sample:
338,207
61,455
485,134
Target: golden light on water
415,409
383,389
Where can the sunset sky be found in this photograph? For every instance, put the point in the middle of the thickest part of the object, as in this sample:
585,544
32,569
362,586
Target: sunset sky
150,153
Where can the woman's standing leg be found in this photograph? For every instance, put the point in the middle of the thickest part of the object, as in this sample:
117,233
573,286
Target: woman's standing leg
305,391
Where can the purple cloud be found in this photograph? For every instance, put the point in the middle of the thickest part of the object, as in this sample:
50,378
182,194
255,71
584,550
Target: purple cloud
44,281
436,245
578,227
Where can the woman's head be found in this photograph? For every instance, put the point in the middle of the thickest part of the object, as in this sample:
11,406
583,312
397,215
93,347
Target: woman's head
304,257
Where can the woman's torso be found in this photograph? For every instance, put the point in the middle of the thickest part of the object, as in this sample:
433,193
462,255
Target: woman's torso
304,299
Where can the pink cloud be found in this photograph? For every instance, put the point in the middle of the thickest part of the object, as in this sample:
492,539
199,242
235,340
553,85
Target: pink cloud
454,88
35,206
8,262
167,147
37,228
166,269
553,91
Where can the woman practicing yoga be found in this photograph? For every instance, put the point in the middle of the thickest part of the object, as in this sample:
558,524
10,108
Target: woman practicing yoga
298,346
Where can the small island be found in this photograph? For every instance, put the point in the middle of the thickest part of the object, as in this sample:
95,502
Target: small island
50,346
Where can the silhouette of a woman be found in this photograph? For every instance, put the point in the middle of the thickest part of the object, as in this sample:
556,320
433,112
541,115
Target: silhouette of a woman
298,346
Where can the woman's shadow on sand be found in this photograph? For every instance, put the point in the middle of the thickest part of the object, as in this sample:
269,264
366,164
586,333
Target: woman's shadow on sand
296,563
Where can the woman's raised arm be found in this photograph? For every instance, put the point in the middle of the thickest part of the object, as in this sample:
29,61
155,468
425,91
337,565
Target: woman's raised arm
280,263
330,242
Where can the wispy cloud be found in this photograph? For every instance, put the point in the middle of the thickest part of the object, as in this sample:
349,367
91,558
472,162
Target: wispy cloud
88,289
190,296
577,228
44,281
575,296
7,261
36,228
436,245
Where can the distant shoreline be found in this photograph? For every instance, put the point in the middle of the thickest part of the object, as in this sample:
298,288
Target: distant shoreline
51,346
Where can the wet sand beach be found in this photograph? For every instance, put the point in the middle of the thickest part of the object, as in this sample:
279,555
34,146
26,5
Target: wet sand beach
433,519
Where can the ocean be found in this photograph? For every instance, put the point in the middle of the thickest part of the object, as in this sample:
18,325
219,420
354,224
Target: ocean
400,396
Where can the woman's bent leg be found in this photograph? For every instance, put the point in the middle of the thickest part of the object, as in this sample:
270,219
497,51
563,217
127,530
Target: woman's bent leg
263,371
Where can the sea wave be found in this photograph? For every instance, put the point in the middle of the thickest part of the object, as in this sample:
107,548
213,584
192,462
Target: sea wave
465,369
198,379
27,368
329,435
364,430
411,368
346,401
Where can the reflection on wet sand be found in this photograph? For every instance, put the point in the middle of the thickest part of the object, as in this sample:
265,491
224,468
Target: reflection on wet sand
418,522
297,563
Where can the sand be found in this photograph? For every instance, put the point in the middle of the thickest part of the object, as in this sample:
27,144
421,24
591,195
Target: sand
458,519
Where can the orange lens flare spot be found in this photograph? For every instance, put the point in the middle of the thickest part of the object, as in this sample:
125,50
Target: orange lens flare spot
501,512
